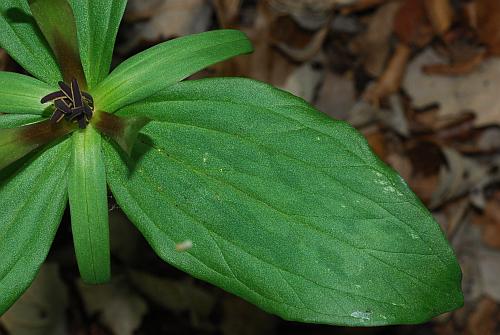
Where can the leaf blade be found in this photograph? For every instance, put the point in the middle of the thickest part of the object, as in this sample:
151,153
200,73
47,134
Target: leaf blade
21,94
57,23
24,42
32,205
88,203
158,67
281,205
97,25
15,143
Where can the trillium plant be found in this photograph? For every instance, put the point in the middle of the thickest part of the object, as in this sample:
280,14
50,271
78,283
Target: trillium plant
279,204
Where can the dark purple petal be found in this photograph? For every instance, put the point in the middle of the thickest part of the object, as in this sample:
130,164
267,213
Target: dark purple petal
52,96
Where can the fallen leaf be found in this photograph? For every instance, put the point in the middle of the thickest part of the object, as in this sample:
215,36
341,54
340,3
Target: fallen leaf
337,95
176,296
490,221
440,14
41,309
477,91
303,81
412,25
166,19
116,304
483,320
459,176
488,16
489,261
310,14
373,46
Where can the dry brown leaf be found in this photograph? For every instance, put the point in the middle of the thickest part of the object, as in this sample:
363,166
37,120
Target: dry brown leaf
337,95
440,14
362,5
485,140
458,177
488,27
161,20
309,51
477,91
372,46
412,25
488,260
390,80
376,140
227,11
484,319
490,222
310,14
456,68
42,308
266,63
426,160
176,296
117,305
304,81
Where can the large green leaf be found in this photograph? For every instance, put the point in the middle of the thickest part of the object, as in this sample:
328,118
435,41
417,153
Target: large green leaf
56,21
88,200
31,207
165,64
97,23
21,94
21,37
284,207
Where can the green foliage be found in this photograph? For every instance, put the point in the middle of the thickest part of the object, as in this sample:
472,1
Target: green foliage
165,64
21,94
285,207
97,24
56,21
23,40
33,201
88,202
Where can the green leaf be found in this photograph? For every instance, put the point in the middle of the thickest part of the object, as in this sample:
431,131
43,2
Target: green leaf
17,120
284,206
33,201
21,94
123,130
16,143
57,23
21,37
165,64
89,206
97,23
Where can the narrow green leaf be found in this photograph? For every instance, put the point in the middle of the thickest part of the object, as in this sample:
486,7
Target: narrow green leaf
18,120
16,143
21,94
89,206
57,23
123,130
23,40
97,24
284,207
165,64
33,201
